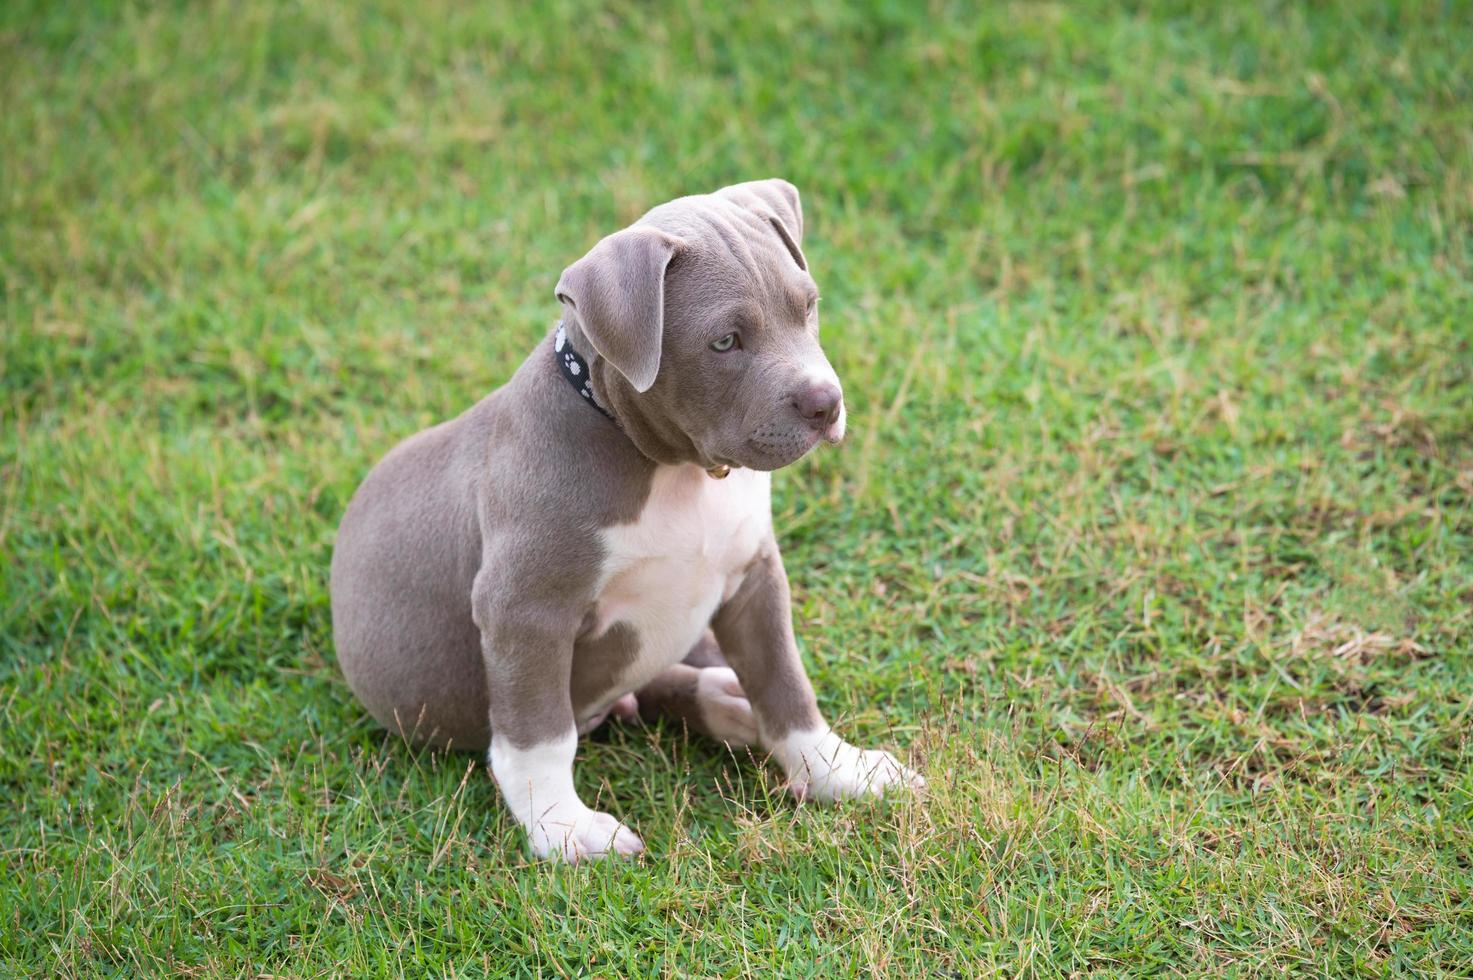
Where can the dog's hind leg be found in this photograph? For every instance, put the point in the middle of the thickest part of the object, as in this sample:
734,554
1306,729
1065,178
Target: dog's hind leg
709,700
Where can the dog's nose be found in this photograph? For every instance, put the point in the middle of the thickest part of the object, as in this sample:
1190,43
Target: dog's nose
819,404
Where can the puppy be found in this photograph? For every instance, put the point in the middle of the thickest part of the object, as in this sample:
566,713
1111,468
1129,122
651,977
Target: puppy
596,535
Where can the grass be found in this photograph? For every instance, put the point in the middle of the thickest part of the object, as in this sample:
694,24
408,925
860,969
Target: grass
1152,544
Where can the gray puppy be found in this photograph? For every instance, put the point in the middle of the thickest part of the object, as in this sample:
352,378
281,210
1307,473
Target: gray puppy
596,536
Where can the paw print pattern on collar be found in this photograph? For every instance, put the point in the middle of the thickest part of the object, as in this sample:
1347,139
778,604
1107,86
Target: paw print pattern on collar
575,369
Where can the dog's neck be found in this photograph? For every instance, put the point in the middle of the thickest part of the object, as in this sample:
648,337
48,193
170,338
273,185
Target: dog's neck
586,376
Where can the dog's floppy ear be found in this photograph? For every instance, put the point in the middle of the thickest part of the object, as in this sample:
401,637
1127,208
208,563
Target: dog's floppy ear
777,201
618,293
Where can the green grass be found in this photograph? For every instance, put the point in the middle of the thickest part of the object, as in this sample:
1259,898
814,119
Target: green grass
1152,544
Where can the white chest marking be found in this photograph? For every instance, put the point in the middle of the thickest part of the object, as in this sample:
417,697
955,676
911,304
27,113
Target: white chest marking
665,574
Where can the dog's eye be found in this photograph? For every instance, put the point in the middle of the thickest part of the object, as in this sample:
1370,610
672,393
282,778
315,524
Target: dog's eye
726,343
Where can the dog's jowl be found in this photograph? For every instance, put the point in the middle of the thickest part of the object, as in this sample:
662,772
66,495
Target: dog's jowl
596,536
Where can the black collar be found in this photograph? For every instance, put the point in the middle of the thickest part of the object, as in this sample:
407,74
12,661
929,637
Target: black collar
575,369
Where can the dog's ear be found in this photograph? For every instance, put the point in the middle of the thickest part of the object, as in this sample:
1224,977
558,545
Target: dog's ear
778,202
618,293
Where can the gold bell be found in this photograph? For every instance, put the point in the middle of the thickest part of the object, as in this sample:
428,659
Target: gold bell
718,472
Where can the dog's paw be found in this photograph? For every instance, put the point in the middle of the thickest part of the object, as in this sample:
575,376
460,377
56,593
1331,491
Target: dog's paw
624,709
576,833
725,711
822,766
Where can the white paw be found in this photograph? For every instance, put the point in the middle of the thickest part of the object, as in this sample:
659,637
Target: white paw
822,766
573,833
725,709
537,783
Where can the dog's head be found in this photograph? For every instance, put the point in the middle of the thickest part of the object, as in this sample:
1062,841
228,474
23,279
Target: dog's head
707,315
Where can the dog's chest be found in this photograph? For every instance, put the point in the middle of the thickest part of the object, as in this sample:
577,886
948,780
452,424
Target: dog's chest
665,574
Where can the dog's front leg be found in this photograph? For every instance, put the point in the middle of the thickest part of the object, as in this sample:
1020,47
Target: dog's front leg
755,630
528,650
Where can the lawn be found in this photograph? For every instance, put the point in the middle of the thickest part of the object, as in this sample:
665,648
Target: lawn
1151,545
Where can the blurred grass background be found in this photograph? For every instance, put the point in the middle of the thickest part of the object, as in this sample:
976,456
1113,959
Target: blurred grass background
1152,543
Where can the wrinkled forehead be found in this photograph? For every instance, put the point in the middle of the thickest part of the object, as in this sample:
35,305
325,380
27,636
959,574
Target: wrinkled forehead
730,256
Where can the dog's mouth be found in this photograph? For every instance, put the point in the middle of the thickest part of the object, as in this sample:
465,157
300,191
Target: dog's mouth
779,442
774,448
